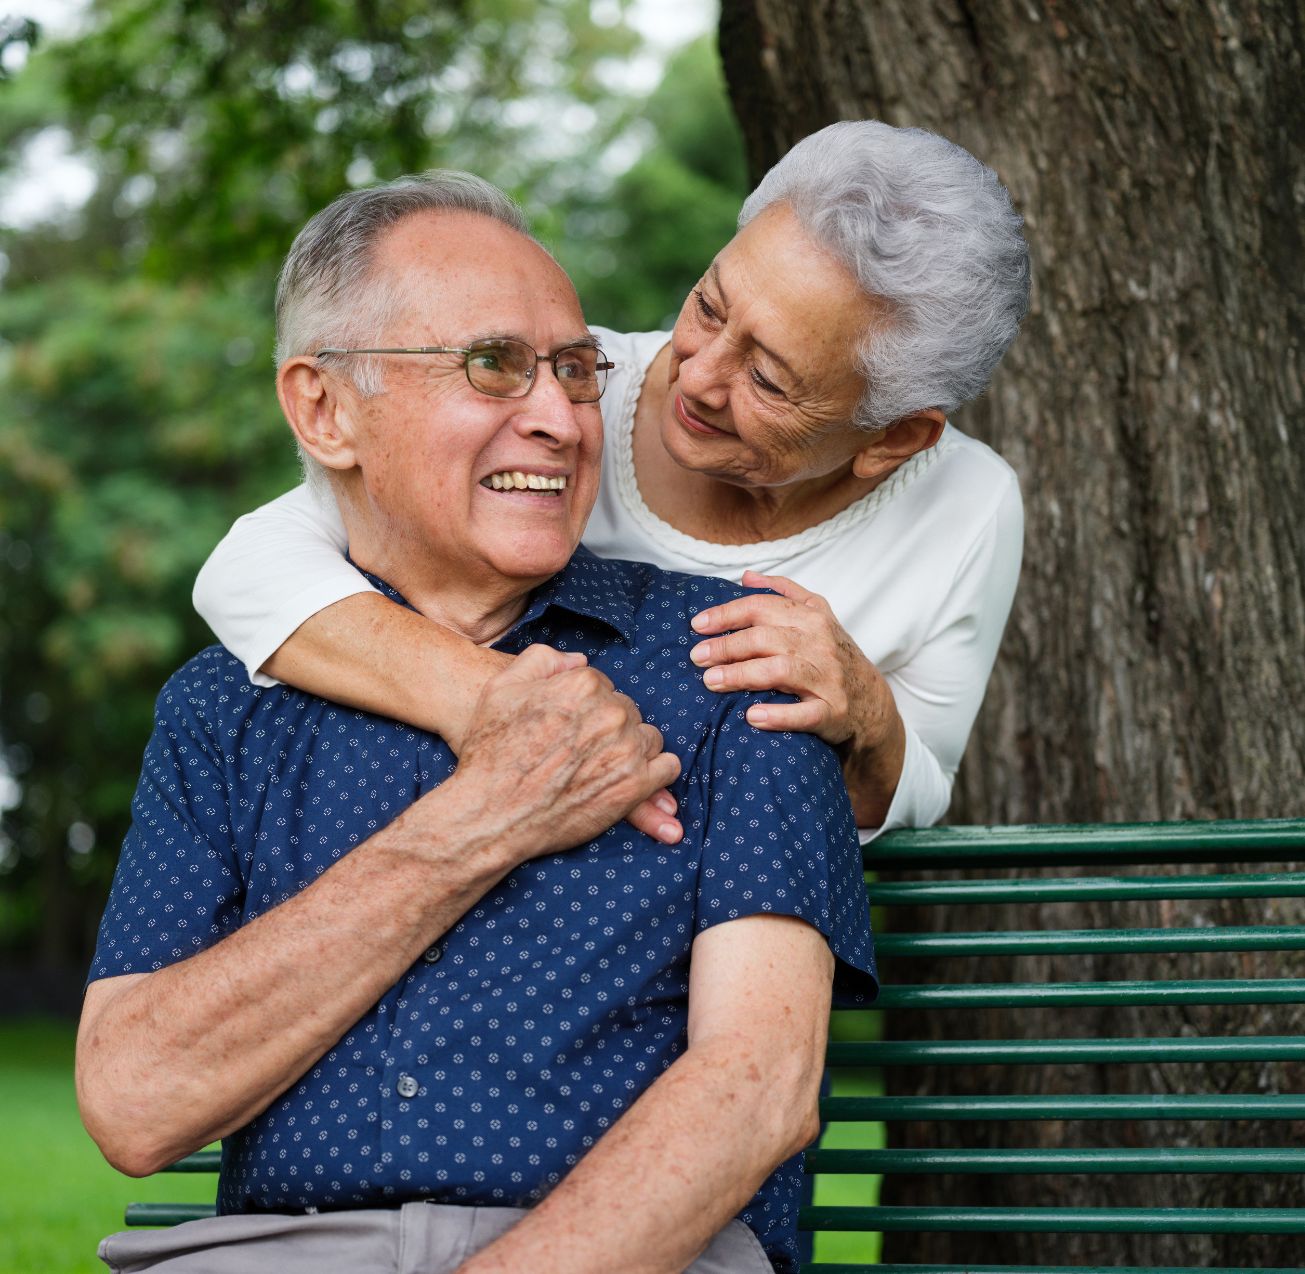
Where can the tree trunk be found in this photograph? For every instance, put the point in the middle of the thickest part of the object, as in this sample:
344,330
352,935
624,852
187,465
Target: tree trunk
1152,406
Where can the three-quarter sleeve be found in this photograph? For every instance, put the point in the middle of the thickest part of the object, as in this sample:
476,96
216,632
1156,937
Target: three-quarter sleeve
178,886
938,690
275,568
779,838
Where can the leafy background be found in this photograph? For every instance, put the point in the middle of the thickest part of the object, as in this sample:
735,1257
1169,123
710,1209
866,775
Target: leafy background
137,412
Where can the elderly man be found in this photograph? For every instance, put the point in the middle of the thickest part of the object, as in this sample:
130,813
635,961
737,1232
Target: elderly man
452,1015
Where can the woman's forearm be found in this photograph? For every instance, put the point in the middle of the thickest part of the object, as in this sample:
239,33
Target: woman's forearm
368,653
873,757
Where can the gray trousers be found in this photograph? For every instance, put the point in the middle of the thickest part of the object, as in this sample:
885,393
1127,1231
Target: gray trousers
417,1238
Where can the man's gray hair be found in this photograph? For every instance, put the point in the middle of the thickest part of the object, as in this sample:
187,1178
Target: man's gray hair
930,233
326,293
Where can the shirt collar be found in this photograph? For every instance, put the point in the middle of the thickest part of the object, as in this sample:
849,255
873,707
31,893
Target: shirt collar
587,585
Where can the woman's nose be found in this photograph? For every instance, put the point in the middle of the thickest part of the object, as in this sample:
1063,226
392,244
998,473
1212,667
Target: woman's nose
704,371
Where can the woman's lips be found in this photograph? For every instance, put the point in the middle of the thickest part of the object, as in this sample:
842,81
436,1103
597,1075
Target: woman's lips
690,421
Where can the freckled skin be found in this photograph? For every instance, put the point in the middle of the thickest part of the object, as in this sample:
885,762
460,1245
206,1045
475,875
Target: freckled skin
763,350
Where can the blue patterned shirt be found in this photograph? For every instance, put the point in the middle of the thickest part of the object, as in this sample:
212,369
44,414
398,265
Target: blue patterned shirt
519,1038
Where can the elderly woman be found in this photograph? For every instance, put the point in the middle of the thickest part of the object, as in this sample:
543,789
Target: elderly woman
790,432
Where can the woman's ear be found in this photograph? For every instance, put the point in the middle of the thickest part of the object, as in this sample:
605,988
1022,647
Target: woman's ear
893,446
320,411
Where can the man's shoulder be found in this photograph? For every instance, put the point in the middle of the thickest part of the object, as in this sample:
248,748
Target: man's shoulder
210,688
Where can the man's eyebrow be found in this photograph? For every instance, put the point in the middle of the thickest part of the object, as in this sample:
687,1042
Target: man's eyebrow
714,271
588,339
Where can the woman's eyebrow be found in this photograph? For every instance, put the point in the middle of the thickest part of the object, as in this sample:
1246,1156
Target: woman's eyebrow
714,271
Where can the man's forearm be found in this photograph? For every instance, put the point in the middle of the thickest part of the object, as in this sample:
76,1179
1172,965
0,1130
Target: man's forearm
176,1058
679,1164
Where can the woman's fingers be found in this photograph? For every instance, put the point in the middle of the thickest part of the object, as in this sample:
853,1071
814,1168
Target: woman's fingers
745,612
780,584
807,717
774,672
747,643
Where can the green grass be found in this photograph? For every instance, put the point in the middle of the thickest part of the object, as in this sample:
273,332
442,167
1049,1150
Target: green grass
58,1197
848,1190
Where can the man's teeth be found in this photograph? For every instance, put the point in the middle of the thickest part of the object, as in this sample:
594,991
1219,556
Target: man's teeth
515,480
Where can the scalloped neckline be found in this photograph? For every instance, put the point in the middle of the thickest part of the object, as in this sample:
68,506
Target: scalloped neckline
662,532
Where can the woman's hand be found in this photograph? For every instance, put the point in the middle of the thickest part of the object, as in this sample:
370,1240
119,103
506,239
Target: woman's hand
794,643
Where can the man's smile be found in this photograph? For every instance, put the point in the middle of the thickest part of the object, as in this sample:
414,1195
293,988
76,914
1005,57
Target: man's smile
519,480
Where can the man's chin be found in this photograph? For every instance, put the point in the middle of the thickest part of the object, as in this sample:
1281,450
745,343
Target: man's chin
535,564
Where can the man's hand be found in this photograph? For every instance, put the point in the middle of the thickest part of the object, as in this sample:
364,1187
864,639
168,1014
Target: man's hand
554,756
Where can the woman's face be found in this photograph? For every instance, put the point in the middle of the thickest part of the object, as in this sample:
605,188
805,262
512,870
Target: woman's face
762,376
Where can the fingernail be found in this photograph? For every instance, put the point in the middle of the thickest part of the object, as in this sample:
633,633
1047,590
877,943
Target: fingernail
714,677
758,715
671,833
700,623
701,653
665,803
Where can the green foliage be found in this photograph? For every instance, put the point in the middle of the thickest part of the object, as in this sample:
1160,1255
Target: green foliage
635,252
225,126
137,410
138,426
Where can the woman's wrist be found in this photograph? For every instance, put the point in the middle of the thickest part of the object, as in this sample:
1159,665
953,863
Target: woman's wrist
874,754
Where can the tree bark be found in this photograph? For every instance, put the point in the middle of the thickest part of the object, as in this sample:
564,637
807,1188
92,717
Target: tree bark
1152,406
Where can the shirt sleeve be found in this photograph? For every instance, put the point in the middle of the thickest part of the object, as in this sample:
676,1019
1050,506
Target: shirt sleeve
779,839
938,691
275,568
178,887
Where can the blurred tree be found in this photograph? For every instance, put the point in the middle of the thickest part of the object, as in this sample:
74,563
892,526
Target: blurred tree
221,128
137,424
138,415
635,250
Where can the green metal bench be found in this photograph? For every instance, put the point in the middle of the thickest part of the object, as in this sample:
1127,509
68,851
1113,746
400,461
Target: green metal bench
929,1041
1187,847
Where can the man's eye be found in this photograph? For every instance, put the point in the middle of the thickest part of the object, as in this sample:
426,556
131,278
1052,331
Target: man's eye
486,360
703,308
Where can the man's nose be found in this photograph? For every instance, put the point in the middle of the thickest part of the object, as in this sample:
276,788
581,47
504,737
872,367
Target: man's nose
547,412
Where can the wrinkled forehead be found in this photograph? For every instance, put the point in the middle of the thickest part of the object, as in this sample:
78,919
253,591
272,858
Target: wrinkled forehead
469,274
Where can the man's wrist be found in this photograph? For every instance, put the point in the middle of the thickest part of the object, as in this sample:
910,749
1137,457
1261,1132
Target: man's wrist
452,837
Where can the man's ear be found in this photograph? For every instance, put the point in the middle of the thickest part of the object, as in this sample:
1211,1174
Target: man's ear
320,410
898,443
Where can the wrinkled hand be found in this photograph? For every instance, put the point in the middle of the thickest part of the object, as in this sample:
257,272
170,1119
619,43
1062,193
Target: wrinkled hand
556,755
793,643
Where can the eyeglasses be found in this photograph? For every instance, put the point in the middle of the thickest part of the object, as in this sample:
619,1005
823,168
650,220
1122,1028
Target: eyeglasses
506,368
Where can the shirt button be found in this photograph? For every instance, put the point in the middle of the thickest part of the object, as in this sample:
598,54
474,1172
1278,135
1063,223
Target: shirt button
407,1086
432,954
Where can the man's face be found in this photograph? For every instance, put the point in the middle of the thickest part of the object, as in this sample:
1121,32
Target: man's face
429,445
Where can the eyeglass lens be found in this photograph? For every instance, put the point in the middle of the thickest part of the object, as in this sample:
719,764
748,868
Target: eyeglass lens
506,369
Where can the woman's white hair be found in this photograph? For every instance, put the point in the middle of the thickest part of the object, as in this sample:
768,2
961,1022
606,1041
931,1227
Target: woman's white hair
927,231
327,293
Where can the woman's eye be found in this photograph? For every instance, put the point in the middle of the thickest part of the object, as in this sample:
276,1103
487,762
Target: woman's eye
703,308
765,385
